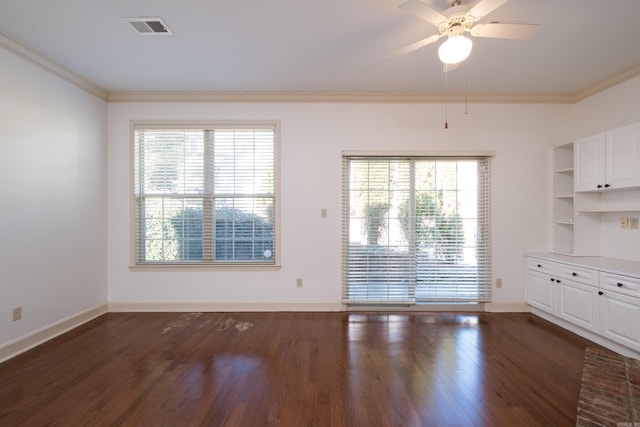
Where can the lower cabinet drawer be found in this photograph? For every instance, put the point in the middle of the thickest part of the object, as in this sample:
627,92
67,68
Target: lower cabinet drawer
541,265
577,274
622,284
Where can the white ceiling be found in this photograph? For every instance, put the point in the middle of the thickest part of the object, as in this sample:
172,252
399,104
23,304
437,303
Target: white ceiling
323,46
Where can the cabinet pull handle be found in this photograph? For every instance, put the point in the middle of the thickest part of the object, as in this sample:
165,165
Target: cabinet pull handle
619,284
574,274
600,293
553,280
539,265
558,280
599,186
607,185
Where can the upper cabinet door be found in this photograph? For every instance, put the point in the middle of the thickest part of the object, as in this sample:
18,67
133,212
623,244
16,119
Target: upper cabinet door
589,163
622,169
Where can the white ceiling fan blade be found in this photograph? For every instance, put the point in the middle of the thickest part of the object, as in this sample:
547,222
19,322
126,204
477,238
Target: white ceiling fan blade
414,46
423,11
485,7
505,31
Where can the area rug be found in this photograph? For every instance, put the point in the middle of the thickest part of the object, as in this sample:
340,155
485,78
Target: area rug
610,390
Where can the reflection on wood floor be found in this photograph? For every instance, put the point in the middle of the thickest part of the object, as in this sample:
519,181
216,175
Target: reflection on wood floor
299,369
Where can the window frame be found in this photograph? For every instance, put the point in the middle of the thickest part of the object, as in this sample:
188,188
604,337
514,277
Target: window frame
195,124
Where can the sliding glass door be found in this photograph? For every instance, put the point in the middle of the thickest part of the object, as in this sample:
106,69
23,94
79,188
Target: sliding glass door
415,229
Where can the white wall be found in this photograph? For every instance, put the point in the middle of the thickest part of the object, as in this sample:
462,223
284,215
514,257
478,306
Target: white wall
52,203
615,107
609,109
313,137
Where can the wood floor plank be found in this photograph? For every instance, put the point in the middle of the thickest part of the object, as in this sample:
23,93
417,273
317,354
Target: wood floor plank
299,369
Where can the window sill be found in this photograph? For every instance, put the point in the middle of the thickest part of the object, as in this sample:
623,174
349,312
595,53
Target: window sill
205,267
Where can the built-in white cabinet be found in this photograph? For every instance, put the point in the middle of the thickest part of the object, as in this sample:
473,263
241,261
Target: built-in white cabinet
608,161
622,155
595,175
566,291
596,205
578,303
589,163
542,293
599,297
620,308
620,318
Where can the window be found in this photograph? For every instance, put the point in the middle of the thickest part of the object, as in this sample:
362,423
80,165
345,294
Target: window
205,194
416,230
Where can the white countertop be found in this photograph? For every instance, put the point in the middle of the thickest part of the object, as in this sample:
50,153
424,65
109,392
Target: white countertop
611,265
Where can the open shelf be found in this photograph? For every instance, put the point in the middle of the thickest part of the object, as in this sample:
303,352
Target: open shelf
563,202
600,202
563,158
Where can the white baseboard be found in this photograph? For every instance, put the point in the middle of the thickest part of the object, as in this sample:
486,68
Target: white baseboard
123,306
507,307
127,306
22,344
40,336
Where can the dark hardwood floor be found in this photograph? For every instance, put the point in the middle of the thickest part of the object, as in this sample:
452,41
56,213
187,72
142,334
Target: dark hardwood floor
298,369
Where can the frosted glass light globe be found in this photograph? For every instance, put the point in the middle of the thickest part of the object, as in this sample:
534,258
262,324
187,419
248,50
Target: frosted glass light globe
456,49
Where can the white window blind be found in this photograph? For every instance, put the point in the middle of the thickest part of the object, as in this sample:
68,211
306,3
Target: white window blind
416,230
205,194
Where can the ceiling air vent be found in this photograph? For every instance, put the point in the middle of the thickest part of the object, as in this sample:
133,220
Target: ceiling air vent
148,26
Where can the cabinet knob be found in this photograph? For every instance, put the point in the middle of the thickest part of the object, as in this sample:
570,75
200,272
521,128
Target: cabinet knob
599,186
607,185
619,284
574,274
553,280
600,293
539,265
558,280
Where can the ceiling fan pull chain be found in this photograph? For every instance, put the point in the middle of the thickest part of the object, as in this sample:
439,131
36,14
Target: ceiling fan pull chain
466,89
446,89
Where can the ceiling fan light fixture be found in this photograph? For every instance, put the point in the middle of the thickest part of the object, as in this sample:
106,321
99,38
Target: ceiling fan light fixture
456,49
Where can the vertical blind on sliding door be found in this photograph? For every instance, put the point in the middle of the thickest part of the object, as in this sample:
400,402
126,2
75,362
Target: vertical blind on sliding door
416,229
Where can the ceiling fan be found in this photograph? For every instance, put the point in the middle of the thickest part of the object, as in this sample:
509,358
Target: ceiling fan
457,20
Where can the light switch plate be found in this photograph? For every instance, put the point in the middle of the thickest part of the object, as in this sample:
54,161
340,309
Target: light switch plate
624,222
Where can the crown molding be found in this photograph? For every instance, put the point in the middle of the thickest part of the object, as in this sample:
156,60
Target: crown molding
48,64
26,52
608,82
310,97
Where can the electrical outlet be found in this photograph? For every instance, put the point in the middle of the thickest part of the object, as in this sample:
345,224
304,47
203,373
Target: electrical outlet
633,223
17,313
299,282
498,283
624,222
